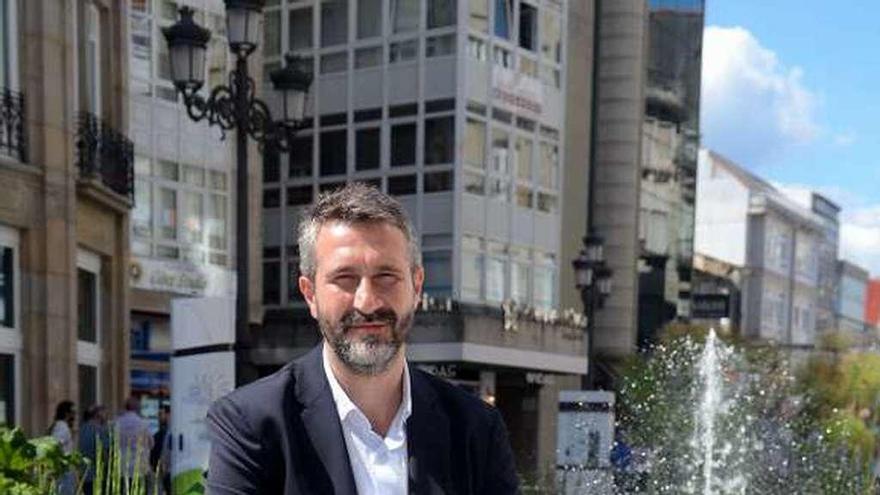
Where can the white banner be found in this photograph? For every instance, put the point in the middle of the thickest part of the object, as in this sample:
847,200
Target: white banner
197,380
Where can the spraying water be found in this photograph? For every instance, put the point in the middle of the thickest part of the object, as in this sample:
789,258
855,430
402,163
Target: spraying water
709,373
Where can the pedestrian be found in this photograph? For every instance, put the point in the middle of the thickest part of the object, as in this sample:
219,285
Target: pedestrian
135,442
160,453
353,416
62,431
94,437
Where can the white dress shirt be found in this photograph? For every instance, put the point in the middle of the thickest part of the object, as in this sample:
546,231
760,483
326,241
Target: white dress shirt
379,464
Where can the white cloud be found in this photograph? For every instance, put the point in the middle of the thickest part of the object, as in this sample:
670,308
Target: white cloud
753,106
846,138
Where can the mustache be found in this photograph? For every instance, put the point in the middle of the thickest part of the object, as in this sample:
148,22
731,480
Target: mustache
381,315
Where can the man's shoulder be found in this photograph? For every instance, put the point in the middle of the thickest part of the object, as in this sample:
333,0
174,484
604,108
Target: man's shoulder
459,404
265,394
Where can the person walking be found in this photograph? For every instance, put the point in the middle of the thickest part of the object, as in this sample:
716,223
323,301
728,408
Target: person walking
62,431
135,442
94,437
160,455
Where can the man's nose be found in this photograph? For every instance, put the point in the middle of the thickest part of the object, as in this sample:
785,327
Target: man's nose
366,299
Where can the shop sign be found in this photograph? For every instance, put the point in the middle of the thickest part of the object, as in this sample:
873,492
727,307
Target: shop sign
182,278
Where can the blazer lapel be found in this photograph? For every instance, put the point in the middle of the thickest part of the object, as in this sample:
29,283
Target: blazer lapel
321,421
427,437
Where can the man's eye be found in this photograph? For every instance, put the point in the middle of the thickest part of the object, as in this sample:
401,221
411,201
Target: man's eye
387,278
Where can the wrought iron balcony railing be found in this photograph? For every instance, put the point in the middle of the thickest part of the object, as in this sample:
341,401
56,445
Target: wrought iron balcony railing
13,140
105,153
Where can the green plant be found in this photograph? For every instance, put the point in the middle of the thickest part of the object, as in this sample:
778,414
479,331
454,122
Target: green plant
32,466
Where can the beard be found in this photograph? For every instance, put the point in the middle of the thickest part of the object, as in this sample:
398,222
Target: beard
367,355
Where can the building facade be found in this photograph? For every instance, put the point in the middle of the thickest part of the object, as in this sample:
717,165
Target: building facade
872,307
852,298
746,222
647,115
828,213
459,110
66,171
182,227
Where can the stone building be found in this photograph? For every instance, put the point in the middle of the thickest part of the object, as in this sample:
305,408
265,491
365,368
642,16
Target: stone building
67,189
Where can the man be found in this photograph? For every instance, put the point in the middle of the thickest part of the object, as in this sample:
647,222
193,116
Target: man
135,442
159,454
351,416
93,435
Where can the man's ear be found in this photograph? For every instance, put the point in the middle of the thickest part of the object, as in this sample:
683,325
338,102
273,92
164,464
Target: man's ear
418,284
307,287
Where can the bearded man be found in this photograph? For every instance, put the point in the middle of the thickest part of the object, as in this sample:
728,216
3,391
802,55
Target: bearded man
352,416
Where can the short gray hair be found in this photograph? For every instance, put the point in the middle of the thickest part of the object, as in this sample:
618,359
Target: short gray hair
355,203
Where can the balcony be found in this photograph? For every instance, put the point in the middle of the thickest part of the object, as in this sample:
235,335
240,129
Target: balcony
105,154
13,140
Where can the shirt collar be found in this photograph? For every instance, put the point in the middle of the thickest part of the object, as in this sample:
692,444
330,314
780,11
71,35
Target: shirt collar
344,405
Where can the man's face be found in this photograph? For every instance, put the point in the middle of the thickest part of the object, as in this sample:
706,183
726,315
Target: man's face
364,294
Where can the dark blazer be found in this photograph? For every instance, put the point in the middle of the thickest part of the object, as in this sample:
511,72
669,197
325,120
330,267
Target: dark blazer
282,435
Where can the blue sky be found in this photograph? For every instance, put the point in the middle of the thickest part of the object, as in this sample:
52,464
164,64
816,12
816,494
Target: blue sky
791,91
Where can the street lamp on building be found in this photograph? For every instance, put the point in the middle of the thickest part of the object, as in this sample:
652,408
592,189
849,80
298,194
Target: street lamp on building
593,280
235,106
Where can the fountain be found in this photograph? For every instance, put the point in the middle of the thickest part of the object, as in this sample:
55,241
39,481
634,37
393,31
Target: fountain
707,418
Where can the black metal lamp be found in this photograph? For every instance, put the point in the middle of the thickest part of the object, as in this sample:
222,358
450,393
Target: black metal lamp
292,83
243,19
593,244
583,271
187,46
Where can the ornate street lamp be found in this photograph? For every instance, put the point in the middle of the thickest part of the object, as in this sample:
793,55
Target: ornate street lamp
235,106
593,280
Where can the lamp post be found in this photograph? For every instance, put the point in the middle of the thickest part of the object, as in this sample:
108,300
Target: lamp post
593,280
235,106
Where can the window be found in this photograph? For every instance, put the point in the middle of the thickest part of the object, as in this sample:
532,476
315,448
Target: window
402,185
502,58
298,196
367,57
495,268
474,183
7,389
215,221
194,176
500,152
479,15
499,188
475,143
551,36
441,13
271,33
404,15
548,166
300,29
192,217
91,59
438,272
142,216
271,164
403,145
167,213
528,24
369,20
141,62
439,140
7,285
367,149
519,282
333,152
543,290
87,305
271,198
523,154
471,275
334,62
271,282
88,385
523,197
476,49
548,203
300,157
334,22
503,18
439,46
403,51
438,182
528,67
